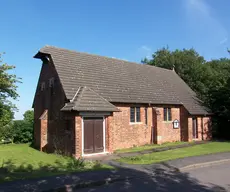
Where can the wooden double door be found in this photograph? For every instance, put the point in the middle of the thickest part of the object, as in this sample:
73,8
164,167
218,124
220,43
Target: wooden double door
93,135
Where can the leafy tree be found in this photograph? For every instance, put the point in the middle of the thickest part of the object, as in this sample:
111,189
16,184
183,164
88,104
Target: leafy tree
161,58
7,89
6,114
220,104
29,116
187,63
210,80
22,131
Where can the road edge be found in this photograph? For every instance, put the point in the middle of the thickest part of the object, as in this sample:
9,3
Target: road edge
206,164
85,184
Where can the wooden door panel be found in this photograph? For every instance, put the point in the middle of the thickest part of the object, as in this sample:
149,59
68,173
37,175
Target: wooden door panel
88,136
98,135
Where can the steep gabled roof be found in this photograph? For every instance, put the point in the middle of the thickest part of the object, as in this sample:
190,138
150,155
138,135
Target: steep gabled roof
120,81
88,100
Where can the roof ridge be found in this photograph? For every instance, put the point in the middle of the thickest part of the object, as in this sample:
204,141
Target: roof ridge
105,57
72,100
81,89
97,94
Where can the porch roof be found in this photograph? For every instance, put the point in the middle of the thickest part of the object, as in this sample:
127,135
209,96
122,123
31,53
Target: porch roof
86,99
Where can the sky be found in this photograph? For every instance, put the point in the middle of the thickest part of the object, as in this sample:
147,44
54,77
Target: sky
125,29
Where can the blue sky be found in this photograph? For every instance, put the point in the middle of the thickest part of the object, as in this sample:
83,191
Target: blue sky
125,29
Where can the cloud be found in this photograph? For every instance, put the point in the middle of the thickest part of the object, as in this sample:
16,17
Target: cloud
145,51
204,22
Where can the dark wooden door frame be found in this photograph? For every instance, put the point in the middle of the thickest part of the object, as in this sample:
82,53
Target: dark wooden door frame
83,135
154,126
195,128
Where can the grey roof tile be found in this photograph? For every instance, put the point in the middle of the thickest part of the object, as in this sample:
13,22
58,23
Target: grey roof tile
86,99
121,81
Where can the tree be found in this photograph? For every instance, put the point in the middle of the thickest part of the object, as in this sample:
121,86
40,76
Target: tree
6,114
220,104
187,63
210,80
8,89
22,132
29,116
161,58
23,129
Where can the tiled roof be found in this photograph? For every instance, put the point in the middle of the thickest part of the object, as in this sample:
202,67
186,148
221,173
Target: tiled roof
87,100
120,81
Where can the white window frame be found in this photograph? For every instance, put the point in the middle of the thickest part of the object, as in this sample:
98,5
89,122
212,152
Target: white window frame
167,114
135,116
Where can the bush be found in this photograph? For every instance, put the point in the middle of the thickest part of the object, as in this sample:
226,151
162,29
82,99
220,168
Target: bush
22,131
6,132
76,163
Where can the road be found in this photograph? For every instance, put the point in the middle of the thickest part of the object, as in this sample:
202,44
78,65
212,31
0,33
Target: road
206,179
218,175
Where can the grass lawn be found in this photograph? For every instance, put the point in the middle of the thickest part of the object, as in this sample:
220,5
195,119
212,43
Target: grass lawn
146,147
213,147
19,161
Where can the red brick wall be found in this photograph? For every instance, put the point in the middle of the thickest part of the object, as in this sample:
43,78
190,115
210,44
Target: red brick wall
44,135
58,138
165,130
78,136
120,133
204,128
207,128
124,134
108,138
184,124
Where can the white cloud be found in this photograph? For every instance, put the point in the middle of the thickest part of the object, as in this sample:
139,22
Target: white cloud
204,22
145,51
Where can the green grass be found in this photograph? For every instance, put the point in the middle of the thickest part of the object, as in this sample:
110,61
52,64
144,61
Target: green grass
146,147
19,161
213,147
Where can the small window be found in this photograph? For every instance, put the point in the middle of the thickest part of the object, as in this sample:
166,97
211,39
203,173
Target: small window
138,114
132,114
146,115
51,85
51,82
167,114
43,86
135,114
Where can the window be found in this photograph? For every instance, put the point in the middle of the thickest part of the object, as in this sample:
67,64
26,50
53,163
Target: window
51,85
51,82
146,115
135,114
43,86
138,114
132,114
167,114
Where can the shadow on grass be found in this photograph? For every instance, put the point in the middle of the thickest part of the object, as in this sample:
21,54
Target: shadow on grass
143,178
10,171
